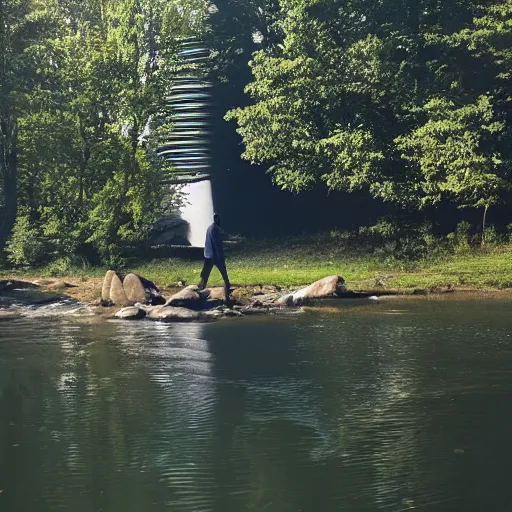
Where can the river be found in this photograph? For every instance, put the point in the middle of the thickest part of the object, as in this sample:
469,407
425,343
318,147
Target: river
403,405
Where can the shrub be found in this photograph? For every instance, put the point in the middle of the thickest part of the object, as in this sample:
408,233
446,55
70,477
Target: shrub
25,246
66,266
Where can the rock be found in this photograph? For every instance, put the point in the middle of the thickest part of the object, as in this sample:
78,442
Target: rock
232,312
170,230
190,297
134,289
242,295
254,311
117,293
285,300
328,287
11,284
178,284
172,314
212,304
60,285
213,315
105,289
264,290
217,293
264,300
153,295
131,313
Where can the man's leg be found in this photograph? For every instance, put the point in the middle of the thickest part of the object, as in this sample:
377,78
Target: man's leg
205,273
221,265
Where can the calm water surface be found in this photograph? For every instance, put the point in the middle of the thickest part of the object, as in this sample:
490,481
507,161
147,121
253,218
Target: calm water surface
401,406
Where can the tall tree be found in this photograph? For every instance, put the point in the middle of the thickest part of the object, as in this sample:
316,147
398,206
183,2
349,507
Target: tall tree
94,87
22,23
453,157
345,82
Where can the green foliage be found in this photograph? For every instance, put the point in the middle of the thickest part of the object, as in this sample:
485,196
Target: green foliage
450,157
409,101
25,246
406,101
394,240
463,237
66,266
83,84
123,216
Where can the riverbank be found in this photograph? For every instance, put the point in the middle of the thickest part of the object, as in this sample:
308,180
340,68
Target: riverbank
296,263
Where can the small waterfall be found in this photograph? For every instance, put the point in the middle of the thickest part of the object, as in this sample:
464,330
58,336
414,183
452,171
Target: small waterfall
188,145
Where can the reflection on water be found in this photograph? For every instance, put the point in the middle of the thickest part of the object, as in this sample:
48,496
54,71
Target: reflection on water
359,410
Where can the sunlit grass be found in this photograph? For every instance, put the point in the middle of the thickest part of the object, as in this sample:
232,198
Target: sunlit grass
293,263
290,264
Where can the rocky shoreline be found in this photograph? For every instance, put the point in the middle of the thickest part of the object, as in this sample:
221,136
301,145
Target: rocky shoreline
132,297
141,299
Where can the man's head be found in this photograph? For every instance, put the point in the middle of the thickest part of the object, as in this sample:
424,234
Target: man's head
216,219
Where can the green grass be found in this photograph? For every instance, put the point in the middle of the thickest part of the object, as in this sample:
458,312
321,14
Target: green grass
297,262
289,267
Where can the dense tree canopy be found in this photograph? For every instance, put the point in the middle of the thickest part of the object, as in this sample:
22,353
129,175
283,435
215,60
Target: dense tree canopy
408,100
83,89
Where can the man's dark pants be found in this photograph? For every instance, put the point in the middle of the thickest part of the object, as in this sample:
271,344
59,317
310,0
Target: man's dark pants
209,263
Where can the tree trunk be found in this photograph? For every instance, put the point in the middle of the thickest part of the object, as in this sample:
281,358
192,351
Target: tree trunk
484,227
8,171
84,160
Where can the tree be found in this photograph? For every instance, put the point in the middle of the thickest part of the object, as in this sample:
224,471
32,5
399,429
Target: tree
452,157
22,24
345,82
91,102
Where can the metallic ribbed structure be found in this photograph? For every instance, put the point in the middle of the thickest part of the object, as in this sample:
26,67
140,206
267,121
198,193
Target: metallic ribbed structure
187,147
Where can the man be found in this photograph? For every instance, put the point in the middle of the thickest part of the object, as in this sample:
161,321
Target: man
214,255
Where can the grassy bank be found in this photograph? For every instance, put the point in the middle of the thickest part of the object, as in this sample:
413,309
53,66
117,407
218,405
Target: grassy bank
290,266
297,262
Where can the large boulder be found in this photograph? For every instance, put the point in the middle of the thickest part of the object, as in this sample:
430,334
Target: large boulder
105,289
131,290
332,286
130,313
117,293
171,314
190,297
328,287
134,289
153,295
141,290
